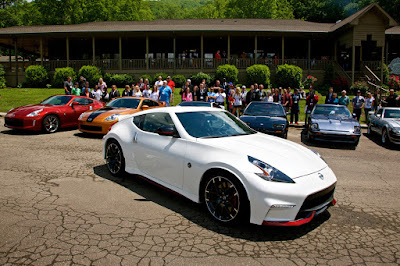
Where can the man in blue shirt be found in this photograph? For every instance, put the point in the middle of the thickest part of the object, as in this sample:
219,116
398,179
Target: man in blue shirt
165,94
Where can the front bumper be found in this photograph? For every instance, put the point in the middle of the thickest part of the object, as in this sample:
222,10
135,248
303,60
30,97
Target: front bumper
95,127
394,137
23,123
284,204
278,132
335,136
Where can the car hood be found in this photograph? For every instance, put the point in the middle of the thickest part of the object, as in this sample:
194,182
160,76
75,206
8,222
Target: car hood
263,121
334,123
290,158
27,109
394,122
103,113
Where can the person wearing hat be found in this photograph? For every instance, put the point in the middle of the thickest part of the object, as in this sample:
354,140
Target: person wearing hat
358,104
344,99
76,90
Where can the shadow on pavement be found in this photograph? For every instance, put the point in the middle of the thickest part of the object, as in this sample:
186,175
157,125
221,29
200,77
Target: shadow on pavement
88,135
198,215
21,132
377,140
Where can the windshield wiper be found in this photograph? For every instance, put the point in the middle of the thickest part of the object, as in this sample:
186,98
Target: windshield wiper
210,137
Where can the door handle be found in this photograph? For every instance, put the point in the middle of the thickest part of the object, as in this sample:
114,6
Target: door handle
135,137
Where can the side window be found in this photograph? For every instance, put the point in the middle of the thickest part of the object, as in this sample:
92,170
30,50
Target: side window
153,103
138,121
152,122
83,101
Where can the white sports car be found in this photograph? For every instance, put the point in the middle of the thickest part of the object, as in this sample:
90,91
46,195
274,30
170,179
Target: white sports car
211,157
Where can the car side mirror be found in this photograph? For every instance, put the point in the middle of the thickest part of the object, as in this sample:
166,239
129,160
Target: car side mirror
167,131
287,113
354,115
145,107
379,115
74,103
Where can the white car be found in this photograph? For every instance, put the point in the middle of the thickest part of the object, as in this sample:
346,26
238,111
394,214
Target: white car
211,157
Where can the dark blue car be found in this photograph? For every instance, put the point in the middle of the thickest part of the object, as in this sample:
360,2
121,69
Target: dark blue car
266,117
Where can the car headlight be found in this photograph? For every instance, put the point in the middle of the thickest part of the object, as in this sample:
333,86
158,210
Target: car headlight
278,126
357,129
10,110
314,127
395,129
269,173
112,117
80,117
34,113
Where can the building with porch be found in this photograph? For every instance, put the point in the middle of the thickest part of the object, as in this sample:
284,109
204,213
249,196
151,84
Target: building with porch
362,41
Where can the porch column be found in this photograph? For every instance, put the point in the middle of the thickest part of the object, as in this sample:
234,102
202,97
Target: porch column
9,58
382,62
93,51
41,51
361,59
255,48
335,51
16,61
120,52
174,51
202,51
283,48
229,48
353,63
309,56
387,52
67,45
147,52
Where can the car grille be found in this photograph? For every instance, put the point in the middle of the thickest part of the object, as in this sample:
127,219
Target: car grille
315,200
14,122
91,128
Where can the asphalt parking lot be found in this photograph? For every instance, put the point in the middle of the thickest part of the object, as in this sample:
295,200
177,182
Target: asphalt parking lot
59,205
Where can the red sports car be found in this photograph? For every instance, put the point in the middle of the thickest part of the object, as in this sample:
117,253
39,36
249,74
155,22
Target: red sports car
55,112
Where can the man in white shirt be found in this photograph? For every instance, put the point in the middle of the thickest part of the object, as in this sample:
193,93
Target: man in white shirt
159,82
97,93
220,97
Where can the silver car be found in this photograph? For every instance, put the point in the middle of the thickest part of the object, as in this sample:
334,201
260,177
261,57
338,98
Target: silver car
385,122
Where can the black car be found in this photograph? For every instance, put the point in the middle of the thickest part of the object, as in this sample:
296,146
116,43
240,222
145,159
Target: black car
333,123
266,117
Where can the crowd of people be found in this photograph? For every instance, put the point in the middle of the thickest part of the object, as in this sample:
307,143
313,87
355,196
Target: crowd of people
233,97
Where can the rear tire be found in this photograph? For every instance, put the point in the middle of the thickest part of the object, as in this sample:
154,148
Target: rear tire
115,158
225,199
50,124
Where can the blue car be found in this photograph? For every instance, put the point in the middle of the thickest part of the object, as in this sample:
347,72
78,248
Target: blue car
333,123
266,117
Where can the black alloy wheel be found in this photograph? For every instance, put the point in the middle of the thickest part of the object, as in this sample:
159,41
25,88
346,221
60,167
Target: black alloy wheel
51,123
225,199
115,159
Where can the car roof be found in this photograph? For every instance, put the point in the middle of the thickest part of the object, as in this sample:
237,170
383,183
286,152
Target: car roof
178,109
329,104
391,108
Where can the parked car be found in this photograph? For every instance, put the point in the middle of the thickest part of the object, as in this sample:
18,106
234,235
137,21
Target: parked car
333,123
385,122
213,158
201,104
99,121
266,117
55,112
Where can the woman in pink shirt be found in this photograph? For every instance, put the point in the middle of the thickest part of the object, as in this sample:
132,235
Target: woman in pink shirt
187,96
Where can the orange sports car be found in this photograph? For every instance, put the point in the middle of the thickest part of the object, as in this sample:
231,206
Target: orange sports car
100,120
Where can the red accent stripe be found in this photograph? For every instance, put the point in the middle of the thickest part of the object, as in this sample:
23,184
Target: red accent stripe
292,223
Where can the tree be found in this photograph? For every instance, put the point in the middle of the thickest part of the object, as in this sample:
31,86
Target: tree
258,9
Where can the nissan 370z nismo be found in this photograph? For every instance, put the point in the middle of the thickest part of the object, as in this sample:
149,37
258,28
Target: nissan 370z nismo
211,157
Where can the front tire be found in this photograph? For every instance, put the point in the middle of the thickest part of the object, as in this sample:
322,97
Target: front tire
115,158
226,199
51,124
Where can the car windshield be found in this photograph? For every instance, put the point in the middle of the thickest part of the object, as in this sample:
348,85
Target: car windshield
267,109
203,104
392,113
57,100
331,110
124,103
208,124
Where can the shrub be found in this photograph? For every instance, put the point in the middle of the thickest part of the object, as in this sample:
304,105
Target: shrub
359,85
91,74
229,72
309,81
198,78
155,77
288,76
2,77
120,80
329,74
394,83
386,75
36,77
258,74
61,75
179,80
146,76
340,84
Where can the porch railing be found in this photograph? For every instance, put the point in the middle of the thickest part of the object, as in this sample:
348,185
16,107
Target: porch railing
188,63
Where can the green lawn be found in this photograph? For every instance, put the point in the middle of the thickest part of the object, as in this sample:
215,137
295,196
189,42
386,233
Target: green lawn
11,98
